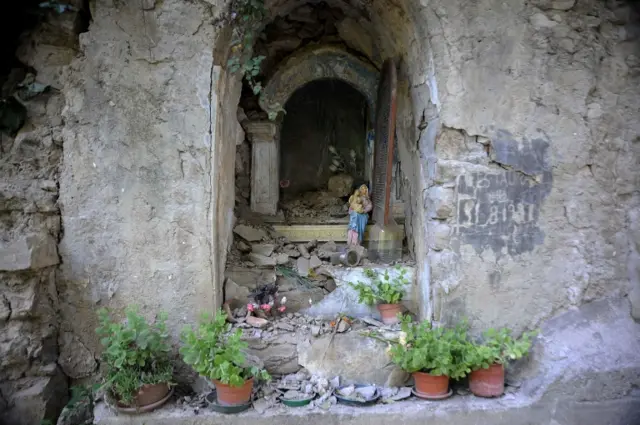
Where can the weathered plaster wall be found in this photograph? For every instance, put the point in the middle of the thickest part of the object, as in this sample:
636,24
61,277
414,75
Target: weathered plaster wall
36,354
146,210
540,106
519,155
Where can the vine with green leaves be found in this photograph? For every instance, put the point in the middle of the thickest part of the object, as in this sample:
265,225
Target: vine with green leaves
246,17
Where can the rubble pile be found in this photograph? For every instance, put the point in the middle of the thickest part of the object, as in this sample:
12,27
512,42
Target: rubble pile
260,257
321,206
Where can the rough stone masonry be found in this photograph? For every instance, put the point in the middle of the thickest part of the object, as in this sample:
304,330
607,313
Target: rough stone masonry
518,137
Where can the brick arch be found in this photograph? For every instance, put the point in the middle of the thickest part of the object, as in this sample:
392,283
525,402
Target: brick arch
323,62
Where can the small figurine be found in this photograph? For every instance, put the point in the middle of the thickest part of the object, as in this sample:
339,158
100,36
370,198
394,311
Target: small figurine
359,207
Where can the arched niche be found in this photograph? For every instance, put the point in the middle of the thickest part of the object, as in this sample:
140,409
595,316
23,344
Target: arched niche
317,63
303,67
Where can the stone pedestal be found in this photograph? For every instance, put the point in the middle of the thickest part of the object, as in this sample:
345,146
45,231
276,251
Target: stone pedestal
265,157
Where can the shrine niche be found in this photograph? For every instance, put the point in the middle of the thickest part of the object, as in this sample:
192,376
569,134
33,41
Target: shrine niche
336,80
319,63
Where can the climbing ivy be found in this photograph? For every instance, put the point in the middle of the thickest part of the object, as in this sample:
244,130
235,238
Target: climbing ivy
246,17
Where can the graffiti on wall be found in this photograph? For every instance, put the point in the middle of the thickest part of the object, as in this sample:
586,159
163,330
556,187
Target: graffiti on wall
500,210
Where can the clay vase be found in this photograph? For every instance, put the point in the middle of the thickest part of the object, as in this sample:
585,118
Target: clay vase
431,386
229,395
389,313
149,394
487,382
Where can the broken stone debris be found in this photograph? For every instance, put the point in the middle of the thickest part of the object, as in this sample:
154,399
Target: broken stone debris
250,234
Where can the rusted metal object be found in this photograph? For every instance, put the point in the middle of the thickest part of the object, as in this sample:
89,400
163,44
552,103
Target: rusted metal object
384,142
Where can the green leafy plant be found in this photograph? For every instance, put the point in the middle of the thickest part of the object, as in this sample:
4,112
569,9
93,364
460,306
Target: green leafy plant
434,350
136,353
216,353
499,347
246,18
383,288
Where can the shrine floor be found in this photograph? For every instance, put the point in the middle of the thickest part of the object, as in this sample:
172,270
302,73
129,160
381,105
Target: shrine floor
469,410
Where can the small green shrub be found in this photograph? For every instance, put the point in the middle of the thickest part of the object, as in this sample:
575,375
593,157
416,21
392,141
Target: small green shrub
438,351
136,353
383,288
499,347
217,354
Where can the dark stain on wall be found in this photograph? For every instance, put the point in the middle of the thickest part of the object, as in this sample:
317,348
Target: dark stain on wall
500,211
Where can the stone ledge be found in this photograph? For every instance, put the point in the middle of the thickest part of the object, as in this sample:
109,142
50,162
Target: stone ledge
509,410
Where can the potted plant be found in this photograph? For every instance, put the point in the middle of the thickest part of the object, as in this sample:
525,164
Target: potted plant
384,292
217,354
138,371
487,360
432,355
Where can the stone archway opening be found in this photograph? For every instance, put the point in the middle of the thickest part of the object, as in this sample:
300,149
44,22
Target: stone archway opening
309,47
322,151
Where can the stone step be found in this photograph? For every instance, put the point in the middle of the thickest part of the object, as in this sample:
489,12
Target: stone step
511,409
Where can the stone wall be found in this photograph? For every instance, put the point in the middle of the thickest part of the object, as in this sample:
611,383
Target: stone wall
537,160
146,195
517,136
36,353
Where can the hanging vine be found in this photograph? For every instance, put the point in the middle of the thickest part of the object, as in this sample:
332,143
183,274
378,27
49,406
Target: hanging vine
246,17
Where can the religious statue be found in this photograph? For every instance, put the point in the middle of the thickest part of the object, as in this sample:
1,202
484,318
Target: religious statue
359,207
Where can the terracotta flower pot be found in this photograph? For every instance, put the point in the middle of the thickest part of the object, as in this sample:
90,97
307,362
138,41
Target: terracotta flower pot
429,385
389,313
487,382
148,394
229,395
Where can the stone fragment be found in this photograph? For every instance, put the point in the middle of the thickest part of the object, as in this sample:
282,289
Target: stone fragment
250,278
315,330
285,326
265,249
340,185
30,252
554,4
293,253
5,308
314,262
372,322
285,42
303,251
248,233
441,234
243,247
261,260
75,358
233,291
540,21
353,357
356,36
78,413
282,259
34,399
304,13
278,354
22,302
329,285
257,322
343,326
303,265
